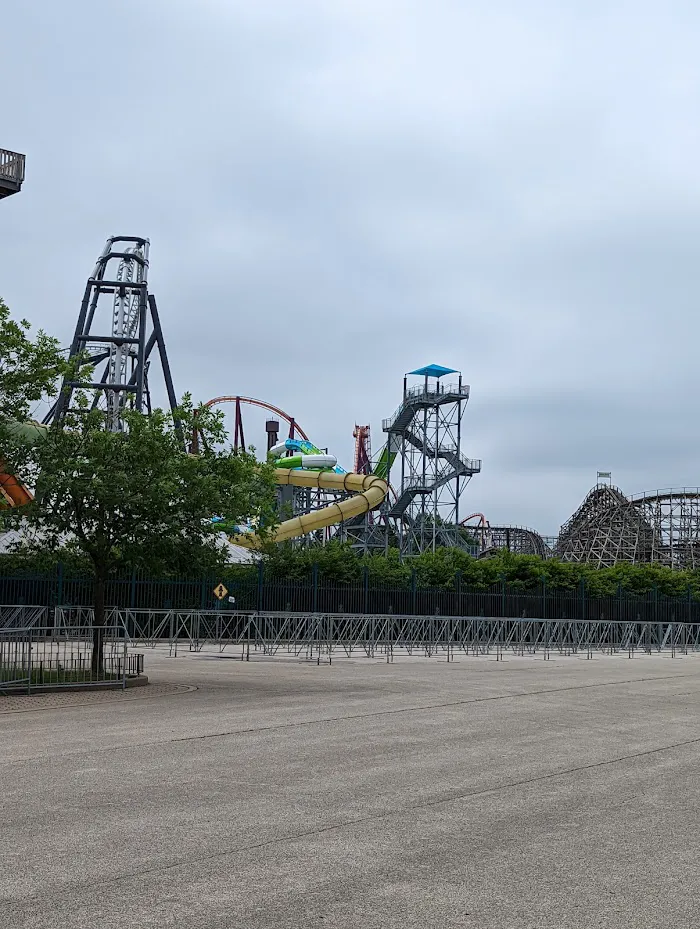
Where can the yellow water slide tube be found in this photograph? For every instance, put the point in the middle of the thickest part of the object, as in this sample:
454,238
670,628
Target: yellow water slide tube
368,489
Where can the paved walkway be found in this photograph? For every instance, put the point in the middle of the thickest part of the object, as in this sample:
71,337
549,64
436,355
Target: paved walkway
523,793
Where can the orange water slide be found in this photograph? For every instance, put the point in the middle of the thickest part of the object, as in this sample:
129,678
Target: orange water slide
12,491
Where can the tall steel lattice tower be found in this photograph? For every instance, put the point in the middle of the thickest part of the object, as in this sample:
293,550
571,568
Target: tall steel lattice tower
423,461
117,299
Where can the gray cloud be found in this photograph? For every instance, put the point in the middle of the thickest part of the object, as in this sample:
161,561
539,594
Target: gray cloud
337,193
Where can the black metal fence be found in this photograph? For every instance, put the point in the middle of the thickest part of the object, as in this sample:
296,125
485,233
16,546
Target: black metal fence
253,590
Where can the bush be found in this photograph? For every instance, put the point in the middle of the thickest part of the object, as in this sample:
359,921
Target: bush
445,569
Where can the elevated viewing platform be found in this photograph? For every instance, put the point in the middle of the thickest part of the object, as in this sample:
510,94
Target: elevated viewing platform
420,397
11,172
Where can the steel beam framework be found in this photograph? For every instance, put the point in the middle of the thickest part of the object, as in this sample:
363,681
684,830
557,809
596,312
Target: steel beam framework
424,463
117,299
23,617
322,636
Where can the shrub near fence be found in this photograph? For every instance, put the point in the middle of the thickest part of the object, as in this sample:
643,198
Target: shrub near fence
254,590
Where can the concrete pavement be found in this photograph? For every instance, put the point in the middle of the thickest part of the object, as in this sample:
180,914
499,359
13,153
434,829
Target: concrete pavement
522,793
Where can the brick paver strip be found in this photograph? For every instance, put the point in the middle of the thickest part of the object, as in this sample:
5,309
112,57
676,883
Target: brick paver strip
23,703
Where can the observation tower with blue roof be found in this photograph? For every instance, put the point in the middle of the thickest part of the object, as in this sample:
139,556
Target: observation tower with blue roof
423,460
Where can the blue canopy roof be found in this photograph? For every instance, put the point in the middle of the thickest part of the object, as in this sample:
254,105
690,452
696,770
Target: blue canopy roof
434,371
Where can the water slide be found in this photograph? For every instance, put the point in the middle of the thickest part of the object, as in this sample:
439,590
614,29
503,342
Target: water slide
12,491
313,470
369,492
300,453
306,466
386,460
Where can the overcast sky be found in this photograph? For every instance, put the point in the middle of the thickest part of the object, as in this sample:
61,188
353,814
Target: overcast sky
338,191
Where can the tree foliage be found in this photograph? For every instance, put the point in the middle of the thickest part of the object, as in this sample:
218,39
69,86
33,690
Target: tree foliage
29,367
133,499
447,568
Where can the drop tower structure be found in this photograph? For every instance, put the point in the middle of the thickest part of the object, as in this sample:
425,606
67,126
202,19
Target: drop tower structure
117,331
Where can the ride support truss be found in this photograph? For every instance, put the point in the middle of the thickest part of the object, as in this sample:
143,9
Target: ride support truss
117,331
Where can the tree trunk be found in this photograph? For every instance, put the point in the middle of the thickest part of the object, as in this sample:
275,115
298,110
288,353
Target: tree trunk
98,631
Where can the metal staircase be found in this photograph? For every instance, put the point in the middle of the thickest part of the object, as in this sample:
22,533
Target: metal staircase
424,467
421,398
401,431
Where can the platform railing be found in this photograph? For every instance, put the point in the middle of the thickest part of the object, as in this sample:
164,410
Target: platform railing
11,165
414,395
471,464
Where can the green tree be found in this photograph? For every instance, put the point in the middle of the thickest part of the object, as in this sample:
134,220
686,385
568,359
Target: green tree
134,499
29,371
29,367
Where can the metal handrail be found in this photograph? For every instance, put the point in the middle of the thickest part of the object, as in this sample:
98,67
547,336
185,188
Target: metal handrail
474,464
421,393
11,165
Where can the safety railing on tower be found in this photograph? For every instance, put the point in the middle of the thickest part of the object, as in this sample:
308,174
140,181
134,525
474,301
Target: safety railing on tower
11,172
417,396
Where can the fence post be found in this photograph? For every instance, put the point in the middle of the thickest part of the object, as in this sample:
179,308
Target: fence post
59,586
132,590
314,581
29,660
125,655
619,601
656,610
413,591
261,578
365,585
583,598
690,604
544,596
503,596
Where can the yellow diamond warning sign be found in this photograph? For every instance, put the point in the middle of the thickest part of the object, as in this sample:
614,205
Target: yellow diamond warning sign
220,591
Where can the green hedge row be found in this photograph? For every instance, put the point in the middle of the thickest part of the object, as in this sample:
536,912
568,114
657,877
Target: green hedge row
446,568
